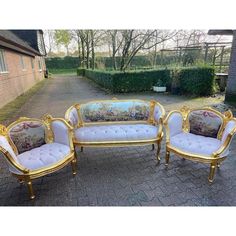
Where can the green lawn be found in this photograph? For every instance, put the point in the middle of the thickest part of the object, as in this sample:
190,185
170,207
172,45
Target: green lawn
12,107
62,71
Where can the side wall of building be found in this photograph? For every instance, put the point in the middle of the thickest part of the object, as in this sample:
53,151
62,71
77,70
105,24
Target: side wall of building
17,80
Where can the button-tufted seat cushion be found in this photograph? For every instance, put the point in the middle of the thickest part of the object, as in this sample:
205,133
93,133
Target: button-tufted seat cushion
129,132
43,156
195,144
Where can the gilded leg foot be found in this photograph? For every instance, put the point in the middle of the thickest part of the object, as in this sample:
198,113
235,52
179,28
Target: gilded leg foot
167,158
74,166
30,189
218,165
212,173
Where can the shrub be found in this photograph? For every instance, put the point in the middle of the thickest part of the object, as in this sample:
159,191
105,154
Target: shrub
196,80
102,78
135,81
80,71
138,81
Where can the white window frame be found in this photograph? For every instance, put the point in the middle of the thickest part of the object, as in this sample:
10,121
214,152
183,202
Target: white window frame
22,63
3,64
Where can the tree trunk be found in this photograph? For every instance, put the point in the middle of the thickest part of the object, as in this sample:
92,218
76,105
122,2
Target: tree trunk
92,48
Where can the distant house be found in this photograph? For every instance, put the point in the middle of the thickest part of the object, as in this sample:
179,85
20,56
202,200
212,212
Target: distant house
22,62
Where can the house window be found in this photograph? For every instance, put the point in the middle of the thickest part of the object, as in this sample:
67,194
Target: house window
32,63
40,64
22,62
3,65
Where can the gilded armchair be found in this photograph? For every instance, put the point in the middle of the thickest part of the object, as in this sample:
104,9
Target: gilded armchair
34,148
201,135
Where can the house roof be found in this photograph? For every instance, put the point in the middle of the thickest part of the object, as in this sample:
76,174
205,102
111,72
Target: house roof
220,32
33,37
10,40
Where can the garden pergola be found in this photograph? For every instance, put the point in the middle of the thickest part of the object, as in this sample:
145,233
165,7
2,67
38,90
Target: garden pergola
230,95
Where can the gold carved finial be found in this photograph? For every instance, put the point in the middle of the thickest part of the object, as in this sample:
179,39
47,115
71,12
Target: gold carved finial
185,110
228,114
3,130
77,106
47,119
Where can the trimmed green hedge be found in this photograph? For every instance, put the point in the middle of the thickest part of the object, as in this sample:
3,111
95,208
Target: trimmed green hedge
197,81
122,82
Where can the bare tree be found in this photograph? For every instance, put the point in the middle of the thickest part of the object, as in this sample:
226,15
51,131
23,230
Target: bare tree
135,41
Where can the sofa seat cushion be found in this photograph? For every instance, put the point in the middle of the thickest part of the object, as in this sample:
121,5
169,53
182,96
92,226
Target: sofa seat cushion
195,144
128,132
44,156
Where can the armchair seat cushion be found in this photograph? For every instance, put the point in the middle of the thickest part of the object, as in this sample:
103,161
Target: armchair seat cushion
195,144
43,156
118,132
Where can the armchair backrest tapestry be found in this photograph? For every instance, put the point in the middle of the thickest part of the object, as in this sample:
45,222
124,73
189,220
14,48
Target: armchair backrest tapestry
27,134
205,122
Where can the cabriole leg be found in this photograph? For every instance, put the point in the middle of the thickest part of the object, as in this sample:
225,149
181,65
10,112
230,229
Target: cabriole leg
212,173
158,152
167,157
30,189
82,149
74,166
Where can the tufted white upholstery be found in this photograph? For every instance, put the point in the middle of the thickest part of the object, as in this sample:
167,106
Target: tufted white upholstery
43,156
129,132
5,144
61,132
228,128
157,113
73,117
175,123
195,144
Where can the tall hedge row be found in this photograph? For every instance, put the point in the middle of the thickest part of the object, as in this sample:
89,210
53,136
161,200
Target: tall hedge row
196,80
192,80
121,82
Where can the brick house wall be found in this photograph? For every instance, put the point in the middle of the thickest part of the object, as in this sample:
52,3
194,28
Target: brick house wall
231,83
18,80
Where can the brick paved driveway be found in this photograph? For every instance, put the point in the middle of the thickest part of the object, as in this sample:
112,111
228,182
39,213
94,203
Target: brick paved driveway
118,176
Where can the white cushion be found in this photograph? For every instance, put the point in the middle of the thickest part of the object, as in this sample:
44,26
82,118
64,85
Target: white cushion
175,123
44,156
60,132
5,144
128,132
195,144
73,116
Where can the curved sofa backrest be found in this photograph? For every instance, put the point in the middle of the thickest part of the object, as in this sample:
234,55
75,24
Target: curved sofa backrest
115,111
205,122
27,134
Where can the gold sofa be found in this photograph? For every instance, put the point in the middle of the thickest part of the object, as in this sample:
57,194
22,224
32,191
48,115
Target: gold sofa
34,148
201,135
115,122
